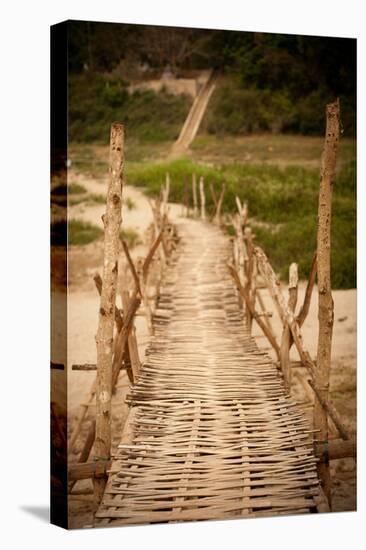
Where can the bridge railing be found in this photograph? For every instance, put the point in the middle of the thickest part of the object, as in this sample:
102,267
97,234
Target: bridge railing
252,272
140,279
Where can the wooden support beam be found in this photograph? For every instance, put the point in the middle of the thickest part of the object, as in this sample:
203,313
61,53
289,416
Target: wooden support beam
330,409
308,293
57,366
104,339
85,367
117,313
87,470
217,217
133,352
266,331
286,333
213,195
131,266
194,195
326,308
335,449
203,198
150,255
286,315
249,267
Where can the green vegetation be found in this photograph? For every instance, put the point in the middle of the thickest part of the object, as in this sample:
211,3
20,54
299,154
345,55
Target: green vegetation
80,232
129,203
283,205
97,199
96,100
76,189
241,110
271,82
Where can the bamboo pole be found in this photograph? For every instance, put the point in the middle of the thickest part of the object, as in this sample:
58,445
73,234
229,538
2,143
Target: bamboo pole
133,353
104,339
213,195
325,307
308,293
286,333
249,264
286,315
203,198
267,332
217,217
166,192
194,194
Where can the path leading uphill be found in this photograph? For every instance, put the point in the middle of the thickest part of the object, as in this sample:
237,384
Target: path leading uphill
211,433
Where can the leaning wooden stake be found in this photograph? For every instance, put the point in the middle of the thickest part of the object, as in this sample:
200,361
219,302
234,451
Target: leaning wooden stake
104,339
286,333
194,194
217,218
325,308
203,199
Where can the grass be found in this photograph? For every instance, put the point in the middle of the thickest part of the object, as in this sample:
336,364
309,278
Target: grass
130,205
279,179
80,232
97,199
95,101
76,189
286,198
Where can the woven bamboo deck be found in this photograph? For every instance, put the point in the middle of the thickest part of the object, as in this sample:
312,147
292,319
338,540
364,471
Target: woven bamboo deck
212,433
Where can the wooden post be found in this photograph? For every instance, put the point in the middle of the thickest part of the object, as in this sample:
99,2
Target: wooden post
249,272
266,330
194,194
203,198
185,205
166,192
325,308
213,195
286,333
217,217
132,344
104,339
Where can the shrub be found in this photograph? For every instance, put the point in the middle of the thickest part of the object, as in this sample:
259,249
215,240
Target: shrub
76,188
80,232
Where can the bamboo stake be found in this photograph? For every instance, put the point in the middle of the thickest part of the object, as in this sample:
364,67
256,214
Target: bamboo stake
248,238
194,194
286,315
166,192
308,293
132,266
185,205
213,195
286,333
203,198
104,339
133,352
330,409
84,455
270,336
326,308
217,217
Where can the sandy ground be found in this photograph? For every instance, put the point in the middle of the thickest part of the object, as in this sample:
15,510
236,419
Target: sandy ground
83,305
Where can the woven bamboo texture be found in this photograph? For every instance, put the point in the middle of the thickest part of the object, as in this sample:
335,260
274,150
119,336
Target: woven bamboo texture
214,435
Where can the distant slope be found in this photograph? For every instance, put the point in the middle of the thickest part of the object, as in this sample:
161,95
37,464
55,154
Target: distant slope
195,115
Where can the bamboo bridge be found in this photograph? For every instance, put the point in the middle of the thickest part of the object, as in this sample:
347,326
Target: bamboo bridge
213,432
